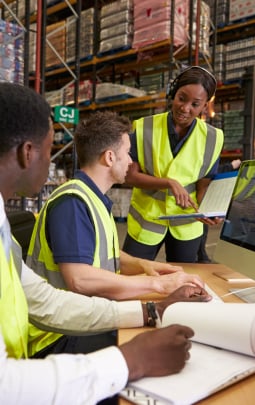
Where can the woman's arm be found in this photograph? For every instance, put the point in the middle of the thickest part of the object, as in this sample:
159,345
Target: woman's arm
201,188
136,178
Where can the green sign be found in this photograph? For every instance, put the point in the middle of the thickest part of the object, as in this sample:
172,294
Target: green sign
65,114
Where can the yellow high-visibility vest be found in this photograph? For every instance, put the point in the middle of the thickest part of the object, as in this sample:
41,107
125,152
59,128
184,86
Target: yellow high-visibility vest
246,184
13,304
40,257
155,157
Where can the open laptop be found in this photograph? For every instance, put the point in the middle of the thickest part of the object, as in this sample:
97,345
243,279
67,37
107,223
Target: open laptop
236,245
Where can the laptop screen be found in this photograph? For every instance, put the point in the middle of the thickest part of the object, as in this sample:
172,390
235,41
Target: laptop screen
239,225
236,245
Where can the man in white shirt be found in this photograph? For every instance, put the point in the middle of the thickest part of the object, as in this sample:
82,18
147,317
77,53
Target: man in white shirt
26,136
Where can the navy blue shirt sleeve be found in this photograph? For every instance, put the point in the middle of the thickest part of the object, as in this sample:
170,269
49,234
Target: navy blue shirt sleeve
70,232
133,147
214,169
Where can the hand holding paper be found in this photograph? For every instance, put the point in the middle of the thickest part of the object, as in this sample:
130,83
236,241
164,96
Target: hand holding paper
215,202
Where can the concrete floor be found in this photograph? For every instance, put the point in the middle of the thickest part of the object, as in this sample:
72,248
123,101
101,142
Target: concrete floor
212,238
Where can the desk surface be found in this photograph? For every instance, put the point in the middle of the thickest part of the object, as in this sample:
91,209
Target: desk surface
240,393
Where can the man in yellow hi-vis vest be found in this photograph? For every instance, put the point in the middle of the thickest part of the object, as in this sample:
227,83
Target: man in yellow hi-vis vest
240,225
26,135
174,154
75,245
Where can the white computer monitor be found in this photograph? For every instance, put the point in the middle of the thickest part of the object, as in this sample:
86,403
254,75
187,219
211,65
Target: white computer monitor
236,245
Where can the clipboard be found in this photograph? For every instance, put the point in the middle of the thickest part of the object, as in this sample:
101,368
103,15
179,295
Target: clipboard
216,200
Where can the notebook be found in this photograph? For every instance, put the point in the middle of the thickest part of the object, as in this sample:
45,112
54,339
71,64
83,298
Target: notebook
222,353
216,199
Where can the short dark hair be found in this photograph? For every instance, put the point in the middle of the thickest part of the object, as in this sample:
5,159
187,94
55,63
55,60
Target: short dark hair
195,75
24,115
100,131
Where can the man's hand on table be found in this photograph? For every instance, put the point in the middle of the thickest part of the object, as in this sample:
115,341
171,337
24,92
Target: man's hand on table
185,293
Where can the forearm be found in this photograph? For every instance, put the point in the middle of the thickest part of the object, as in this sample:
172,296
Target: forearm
201,188
123,287
66,312
91,281
146,181
88,280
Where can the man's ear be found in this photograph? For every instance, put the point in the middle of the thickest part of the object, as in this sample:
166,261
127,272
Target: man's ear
24,154
109,157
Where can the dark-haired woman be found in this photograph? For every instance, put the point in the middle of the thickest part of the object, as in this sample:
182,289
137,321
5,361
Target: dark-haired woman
175,154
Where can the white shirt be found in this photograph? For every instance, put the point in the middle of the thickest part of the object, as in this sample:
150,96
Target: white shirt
76,379
62,379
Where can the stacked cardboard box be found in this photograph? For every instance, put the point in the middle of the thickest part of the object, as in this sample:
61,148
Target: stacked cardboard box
18,9
65,95
54,97
233,129
222,11
239,9
239,55
116,25
152,22
153,83
56,35
220,63
117,91
86,35
85,92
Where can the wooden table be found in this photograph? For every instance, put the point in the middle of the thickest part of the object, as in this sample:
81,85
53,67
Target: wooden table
241,393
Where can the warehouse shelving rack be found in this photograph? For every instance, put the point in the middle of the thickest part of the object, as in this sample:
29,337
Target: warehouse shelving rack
165,56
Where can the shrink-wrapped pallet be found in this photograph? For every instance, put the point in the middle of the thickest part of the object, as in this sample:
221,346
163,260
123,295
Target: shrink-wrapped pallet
87,35
152,20
116,26
56,35
11,52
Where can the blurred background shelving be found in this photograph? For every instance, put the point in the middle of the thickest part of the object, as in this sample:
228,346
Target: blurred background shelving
121,55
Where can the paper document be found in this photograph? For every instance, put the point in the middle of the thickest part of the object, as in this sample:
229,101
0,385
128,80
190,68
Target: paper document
216,199
223,352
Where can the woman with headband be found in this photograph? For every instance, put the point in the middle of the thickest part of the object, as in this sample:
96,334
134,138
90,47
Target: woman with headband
175,154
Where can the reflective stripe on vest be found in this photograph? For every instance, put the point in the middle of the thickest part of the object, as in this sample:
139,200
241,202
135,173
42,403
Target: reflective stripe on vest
246,184
106,256
156,159
40,257
13,304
